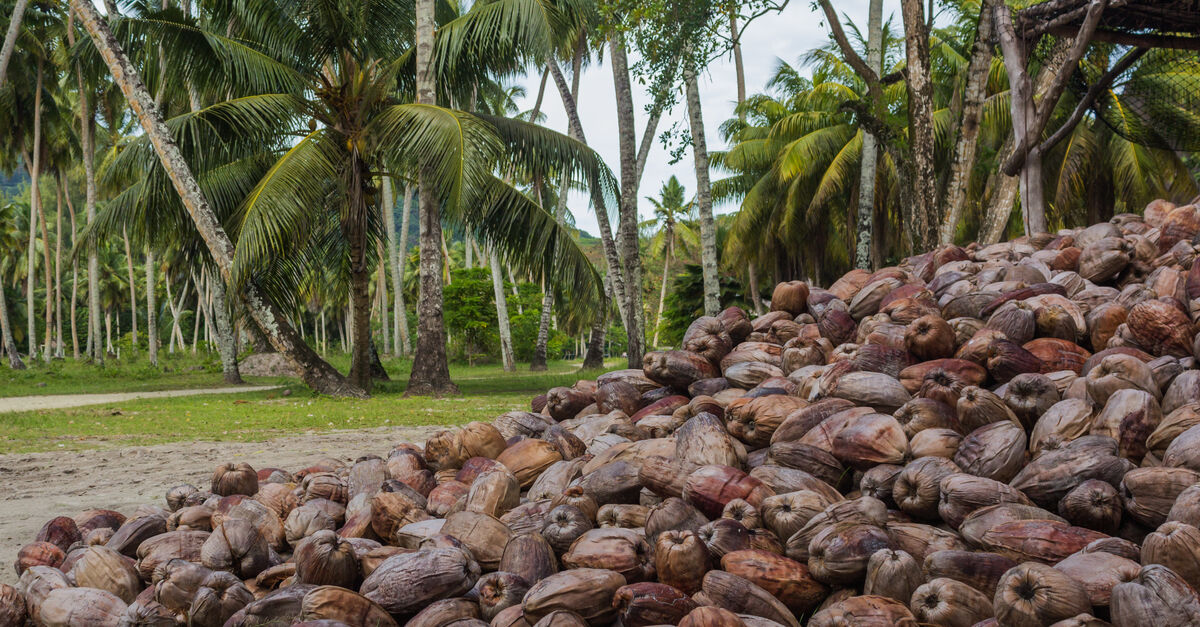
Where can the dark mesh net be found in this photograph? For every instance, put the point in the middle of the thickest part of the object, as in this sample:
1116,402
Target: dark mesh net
1156,102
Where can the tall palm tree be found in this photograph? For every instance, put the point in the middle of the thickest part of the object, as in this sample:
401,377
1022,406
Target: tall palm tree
292,65
10,241
672,216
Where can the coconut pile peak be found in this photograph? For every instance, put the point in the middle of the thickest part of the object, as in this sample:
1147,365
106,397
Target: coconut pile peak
1002,435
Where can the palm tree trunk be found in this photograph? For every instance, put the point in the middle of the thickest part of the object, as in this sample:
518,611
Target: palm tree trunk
607,245
538,364
865,226
10,346
59,344
968,129
317,373
662,294
382,296
132,287
922,186
10,39
108,345
74,276
431,369
199,312
627,236
35,200
226,337
506,346
48,277
151,309
360,282
708,230
400,322
86,135
174,314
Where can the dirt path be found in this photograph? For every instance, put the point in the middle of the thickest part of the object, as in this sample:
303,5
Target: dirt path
40,486
62,401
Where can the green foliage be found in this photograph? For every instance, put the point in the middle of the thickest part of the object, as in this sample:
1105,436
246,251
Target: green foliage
470,311
685,302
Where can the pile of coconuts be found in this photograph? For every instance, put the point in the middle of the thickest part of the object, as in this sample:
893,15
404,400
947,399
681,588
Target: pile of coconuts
1002,435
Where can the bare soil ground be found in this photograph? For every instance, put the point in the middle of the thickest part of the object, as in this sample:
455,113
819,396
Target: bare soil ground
63,401
40,486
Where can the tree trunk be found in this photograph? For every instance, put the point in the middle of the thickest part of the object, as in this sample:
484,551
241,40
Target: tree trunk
59,344
1001,204
506,346
86,135
316,372
132,288
10,346
382,297
35,200
151,309
48,277
108,345
74,276
594,357
10,39
923,183
355,229
627,235
662,293
400,326
607,245
431,369
968,128
708,230
538,364
865,224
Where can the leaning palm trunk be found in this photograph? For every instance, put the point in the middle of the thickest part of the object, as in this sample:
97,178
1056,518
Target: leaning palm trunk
398,276
708,230
662,294
968,138
506,347
316,372
10,39
226,336
607,244
151,309
430,370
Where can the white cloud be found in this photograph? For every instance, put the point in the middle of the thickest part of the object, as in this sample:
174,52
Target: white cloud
785,36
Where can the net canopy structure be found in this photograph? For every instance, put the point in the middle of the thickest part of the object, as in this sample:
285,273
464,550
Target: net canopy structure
1133,64
1156,100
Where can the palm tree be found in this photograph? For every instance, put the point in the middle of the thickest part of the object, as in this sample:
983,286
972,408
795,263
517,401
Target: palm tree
344,84
10,38
10,241
673,215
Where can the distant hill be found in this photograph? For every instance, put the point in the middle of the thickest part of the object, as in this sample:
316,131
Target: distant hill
11,185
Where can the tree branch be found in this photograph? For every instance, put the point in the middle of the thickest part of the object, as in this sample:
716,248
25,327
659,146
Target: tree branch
860,66
1093,92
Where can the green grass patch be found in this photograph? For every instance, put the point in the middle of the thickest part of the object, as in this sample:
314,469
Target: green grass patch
179,371
245,417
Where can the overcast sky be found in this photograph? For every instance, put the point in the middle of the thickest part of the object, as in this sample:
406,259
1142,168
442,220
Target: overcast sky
786,36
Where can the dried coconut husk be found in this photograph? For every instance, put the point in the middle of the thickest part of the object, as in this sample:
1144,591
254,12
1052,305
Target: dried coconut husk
893,574
948,602
739,595
1159,592
963,495
1099,573
1149,493
1035,594
864,610
587,592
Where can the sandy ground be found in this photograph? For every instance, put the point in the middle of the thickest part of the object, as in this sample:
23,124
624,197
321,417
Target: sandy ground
39,486
62,401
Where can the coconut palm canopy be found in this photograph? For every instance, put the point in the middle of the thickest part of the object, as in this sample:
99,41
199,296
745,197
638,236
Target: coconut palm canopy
290,121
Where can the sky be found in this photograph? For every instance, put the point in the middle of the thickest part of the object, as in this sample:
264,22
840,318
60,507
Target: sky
788,35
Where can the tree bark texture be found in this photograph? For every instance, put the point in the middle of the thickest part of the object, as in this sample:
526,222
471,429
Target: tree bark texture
133,303
967,142
398,277
10,38
708,229
317,373
151,309
431,369
923,182
35,199
627,233
506,345
607,244
865,223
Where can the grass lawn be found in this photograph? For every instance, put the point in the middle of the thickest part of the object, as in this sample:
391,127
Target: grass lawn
486,392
